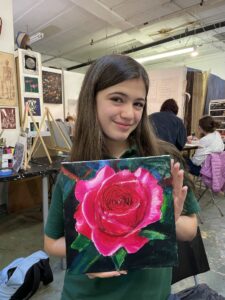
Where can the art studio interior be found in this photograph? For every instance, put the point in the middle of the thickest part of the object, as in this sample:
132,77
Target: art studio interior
47,50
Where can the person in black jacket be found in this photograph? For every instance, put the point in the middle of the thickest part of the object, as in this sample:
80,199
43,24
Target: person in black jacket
168,127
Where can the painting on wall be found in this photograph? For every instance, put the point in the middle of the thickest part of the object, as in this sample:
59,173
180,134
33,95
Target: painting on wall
7,80
30,62
119,214
52,87
34,105
8,118
31,84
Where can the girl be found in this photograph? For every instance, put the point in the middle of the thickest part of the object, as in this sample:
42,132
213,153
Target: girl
112,123
210,142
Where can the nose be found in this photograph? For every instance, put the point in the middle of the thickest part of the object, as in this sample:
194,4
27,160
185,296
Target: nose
127,112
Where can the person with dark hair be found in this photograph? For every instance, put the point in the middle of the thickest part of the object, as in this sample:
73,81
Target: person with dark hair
210,142
112,123
168,127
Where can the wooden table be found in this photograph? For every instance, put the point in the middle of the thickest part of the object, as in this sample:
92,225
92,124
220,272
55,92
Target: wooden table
189,147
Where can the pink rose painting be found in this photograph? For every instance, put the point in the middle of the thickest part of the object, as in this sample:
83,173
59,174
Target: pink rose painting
121,216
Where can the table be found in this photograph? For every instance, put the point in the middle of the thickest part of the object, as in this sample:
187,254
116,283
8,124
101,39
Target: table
188,147
39,167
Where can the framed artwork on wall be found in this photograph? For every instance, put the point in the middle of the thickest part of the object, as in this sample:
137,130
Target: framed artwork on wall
7,80
8,118
52,87
34,105
31,63
31,84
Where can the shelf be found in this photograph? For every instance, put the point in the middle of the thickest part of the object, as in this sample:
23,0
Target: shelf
218,106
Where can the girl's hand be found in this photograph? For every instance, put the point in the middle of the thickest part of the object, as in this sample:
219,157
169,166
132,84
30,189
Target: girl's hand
106,274
179,191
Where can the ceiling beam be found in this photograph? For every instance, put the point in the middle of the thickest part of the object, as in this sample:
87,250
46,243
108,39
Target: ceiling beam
163,41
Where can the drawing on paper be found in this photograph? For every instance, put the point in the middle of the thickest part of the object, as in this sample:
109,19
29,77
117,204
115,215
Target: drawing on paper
8,118
7,80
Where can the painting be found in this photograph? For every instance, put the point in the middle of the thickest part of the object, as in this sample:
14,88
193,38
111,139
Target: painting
30,62
52,87
119,214
7,80
8,118
34,105
31,84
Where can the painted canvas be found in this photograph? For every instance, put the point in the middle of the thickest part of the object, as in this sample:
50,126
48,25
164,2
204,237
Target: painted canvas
8,118
7,80
119,214
31,84
52,87
34,105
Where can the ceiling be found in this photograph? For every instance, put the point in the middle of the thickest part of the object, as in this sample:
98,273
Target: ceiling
79,31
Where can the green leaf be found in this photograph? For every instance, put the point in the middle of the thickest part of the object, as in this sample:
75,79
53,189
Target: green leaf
118,258
153,235
85,259
80,243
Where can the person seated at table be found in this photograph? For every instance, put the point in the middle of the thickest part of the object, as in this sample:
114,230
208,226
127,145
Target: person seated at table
168,127
209,142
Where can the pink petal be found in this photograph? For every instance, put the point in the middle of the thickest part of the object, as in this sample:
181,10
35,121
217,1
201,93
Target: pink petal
84,186
105,244
134,243
89,208
81,225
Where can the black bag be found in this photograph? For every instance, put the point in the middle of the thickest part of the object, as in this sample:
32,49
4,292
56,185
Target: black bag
21,278
199,292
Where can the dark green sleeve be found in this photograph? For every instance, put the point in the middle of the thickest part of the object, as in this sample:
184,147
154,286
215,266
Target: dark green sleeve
54,227
190,205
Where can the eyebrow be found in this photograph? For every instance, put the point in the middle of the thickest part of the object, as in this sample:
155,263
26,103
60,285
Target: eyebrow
125,95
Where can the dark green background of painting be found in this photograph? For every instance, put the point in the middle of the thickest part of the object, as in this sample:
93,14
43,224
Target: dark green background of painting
157,253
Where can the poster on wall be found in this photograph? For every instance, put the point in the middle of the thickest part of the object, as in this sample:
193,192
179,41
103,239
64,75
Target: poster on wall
7,80
31,84
8,118
52,87
34,105
119,214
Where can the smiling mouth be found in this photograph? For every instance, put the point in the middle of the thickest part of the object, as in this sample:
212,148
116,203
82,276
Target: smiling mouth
123,124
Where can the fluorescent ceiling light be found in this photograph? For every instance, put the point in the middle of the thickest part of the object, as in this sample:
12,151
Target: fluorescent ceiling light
166,54
36,37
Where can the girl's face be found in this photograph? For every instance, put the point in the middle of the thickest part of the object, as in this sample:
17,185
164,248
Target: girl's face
119,110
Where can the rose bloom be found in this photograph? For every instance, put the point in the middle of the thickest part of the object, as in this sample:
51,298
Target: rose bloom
114,207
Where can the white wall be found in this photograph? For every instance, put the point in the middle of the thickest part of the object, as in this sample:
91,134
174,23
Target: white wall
7,36
72,86
7,45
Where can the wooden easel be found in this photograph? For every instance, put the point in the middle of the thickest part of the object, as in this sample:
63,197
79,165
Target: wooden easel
59,130
38,137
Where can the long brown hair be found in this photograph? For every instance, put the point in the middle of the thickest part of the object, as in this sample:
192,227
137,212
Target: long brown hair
88,141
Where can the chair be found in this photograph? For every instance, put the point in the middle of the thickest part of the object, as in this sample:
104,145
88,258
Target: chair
212,174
